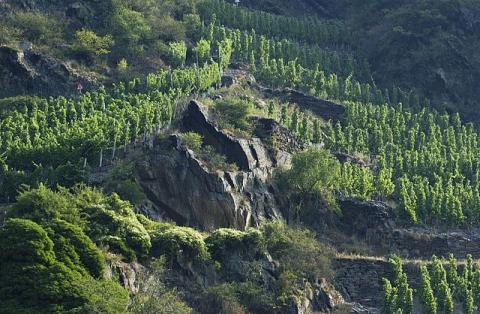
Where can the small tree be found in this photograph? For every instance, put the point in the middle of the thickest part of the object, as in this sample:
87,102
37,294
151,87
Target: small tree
192,140
89,45
314,172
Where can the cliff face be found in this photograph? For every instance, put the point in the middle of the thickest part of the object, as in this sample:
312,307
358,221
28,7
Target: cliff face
182,188
29,72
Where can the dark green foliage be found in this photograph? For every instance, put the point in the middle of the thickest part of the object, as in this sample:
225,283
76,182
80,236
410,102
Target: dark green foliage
223,243
98,216
180,242
25,242
43,205
34,279
121,180
233,113
297,250
74,248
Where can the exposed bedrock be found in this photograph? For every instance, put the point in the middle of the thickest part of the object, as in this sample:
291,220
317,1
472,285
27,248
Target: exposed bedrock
183,188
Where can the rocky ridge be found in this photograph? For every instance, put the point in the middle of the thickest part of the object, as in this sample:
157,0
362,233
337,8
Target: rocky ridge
181,186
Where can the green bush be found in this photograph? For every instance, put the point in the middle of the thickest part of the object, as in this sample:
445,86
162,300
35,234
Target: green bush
180,242
314,172
110,216
25,242
298,251
222,243
9,34
177,53
233,113
75,249
33,280
43,205
89,45
192,140
129,28
117,245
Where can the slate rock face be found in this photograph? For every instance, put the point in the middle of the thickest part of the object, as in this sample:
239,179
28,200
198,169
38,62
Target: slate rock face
180,184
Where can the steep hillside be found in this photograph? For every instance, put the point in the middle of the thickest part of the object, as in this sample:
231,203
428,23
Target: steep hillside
428,45
180,156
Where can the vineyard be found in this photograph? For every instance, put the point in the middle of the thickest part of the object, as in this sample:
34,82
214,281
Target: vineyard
409,172
443,289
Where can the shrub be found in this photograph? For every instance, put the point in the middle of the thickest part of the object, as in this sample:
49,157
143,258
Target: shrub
192,24
33,280
111,216
130,29
180,242
223,242
233,113
89,45
75,249
314,172
298,251
9,34
42,205
37,27
192,140
122,65
117,245
24,242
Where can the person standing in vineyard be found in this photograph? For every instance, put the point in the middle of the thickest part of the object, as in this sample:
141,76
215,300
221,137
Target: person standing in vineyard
79,88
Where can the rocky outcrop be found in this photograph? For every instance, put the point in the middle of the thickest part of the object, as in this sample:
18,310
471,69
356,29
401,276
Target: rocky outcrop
30,72
322,297
130,275
328,110
183,188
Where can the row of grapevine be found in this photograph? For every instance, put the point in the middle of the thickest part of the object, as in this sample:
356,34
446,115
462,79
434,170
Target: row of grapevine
355,180
434,158
308,29
288,64
56,131
430,158
248,45
441,289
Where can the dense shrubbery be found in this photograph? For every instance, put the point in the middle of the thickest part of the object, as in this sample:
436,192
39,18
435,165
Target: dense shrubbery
44,275
223,242
105,219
